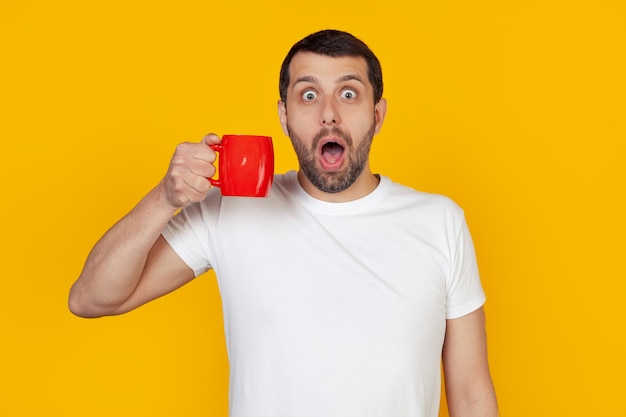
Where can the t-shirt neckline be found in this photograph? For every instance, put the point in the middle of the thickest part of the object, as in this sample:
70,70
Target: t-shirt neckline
349,207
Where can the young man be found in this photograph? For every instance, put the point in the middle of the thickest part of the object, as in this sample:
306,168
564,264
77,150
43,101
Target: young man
341,291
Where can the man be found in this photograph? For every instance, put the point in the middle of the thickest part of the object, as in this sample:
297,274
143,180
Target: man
341,291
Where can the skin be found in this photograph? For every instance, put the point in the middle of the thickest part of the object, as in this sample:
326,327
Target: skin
328,100
469,388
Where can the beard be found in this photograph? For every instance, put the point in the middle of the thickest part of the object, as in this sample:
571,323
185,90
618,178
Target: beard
336,181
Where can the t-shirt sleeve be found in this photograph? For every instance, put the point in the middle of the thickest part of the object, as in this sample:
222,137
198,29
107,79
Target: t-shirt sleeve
188,234
465,291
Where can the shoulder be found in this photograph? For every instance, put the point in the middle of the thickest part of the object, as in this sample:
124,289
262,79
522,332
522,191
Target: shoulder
405,196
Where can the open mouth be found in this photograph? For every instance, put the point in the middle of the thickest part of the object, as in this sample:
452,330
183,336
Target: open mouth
332,152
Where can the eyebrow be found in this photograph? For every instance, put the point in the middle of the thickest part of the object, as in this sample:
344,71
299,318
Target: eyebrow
305,79
311,79
350,77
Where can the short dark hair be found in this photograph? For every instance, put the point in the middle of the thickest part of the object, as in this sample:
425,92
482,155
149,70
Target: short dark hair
333,43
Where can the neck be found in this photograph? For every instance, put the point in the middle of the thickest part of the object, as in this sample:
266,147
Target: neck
365,184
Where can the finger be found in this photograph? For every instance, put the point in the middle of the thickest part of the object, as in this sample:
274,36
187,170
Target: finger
201,167
197,184
203,153
180,194
187,152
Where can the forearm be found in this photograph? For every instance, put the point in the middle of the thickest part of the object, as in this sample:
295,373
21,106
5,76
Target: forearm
115,264
481,403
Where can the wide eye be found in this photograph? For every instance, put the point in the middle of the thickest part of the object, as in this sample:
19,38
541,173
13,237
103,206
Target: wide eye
309,95
348,94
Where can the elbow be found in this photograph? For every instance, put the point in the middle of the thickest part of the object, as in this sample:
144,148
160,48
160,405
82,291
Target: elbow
79,310
80,307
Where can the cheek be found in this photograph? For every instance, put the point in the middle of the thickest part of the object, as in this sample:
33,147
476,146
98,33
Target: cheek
360,124
299,122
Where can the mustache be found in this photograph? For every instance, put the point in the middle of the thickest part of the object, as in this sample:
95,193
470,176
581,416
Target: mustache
333,131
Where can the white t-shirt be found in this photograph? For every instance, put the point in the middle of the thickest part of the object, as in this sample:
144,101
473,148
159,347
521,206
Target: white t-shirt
333,309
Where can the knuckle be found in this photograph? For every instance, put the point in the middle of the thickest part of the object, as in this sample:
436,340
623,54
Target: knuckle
181,147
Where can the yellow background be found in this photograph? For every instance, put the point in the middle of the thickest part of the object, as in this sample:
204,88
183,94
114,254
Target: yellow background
515,109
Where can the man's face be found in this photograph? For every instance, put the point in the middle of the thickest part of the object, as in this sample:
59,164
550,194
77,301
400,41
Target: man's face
331,119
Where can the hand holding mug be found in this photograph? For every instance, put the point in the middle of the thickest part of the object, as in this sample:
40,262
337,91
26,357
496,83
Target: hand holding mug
186,179
246,168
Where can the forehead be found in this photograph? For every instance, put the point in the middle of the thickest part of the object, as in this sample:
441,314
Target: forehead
326,68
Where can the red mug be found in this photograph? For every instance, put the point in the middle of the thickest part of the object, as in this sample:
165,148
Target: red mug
245,165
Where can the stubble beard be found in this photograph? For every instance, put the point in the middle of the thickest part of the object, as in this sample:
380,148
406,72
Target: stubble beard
338,181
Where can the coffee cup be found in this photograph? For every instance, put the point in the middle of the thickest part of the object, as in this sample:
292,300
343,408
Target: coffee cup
245,165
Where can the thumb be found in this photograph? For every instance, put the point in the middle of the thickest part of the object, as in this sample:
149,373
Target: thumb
211,139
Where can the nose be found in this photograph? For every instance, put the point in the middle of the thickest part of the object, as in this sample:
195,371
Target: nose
330,113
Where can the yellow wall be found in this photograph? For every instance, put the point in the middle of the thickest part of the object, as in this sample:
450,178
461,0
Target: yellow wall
513,108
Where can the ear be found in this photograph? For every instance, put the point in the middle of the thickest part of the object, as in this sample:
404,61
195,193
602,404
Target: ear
282,115
380,109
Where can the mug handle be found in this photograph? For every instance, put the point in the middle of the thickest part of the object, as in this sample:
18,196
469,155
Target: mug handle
216,182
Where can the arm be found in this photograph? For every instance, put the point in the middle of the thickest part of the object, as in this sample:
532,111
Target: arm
469,389
132,264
